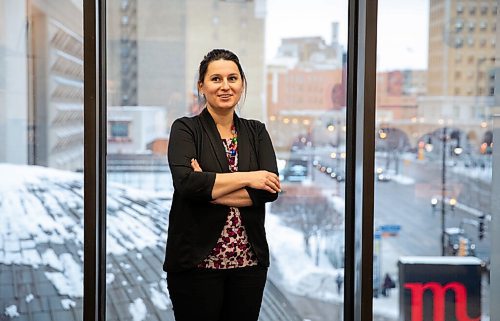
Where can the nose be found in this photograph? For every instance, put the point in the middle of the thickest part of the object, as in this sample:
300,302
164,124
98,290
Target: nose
225,84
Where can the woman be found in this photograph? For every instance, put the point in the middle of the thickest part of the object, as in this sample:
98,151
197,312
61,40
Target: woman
224,171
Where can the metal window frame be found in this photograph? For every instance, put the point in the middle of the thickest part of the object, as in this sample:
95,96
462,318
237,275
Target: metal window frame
94,64
360,147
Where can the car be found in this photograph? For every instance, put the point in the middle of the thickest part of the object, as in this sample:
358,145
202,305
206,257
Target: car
295,173
340,177
457,243
383,178
381,175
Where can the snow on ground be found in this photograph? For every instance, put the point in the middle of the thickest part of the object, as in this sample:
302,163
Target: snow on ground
403,180
297,269
302,277
483,174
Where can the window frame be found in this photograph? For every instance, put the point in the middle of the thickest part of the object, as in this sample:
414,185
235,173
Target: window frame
358,285
360,147
94,66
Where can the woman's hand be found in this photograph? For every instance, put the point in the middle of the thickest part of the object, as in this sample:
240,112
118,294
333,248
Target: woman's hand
264,180
196,167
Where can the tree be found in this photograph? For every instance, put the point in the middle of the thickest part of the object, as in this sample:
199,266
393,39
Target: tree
306,209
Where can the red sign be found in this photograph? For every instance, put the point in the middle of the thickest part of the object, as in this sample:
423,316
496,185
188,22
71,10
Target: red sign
438,292
439,288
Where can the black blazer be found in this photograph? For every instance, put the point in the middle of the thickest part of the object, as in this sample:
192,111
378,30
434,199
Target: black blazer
195,224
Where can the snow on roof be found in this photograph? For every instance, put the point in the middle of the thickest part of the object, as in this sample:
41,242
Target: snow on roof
41,232
454,230
446,260
41,211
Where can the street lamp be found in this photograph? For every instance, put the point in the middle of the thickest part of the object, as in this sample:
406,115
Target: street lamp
444,149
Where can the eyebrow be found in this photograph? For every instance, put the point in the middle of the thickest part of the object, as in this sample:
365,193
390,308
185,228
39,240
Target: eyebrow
232,74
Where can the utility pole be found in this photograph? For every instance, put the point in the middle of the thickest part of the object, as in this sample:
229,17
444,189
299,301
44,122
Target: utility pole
443,189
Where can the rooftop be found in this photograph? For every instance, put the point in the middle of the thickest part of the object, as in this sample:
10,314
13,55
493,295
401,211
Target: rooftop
41,251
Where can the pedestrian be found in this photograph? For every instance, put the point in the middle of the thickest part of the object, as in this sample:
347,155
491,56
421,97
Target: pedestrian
339,280
387,285
224,171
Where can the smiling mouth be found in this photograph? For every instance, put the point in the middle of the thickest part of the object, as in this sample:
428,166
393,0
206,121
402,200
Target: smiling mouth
225,96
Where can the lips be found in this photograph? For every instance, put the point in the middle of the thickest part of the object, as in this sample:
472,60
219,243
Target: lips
225,96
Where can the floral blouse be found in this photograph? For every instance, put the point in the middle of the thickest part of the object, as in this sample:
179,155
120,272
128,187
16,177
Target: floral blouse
232,249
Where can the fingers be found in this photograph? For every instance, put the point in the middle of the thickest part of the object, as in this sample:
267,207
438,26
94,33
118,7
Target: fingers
196,167
272,183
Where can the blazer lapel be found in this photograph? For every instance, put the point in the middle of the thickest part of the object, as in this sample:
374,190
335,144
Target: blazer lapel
215,140
243,145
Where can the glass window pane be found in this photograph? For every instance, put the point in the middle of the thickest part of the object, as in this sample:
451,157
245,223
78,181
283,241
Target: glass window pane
294,56
41,160
435,101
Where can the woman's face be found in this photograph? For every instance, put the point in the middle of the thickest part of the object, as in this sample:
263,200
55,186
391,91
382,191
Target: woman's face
222,85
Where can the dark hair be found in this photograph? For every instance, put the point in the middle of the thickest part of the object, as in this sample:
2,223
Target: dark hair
219,54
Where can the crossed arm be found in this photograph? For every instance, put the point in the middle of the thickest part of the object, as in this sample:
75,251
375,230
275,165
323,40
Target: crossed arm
230,188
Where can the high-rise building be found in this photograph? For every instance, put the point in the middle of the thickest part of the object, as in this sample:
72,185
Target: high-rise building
462,54
146,47
41,84
462,46
238,25
154,50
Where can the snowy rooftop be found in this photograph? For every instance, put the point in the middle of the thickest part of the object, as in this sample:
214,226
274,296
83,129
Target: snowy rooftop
446,260
41,250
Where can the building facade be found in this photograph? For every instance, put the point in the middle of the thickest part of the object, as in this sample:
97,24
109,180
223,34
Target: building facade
155,48
305,89
42,101
461,65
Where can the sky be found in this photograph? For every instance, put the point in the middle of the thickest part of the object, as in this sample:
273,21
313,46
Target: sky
402,28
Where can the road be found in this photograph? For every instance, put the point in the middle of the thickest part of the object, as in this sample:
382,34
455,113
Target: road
409,206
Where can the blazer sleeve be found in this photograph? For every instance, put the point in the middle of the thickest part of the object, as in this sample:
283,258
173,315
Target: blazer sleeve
181,149
266,158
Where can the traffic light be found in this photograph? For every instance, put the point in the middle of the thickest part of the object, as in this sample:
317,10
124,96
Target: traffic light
481,227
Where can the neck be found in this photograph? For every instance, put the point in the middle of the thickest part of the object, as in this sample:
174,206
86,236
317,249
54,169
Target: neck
223,118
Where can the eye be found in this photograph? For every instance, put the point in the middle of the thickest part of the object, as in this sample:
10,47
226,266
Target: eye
233,78
215,79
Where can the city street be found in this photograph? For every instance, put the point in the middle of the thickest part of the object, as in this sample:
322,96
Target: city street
406,201
409,205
